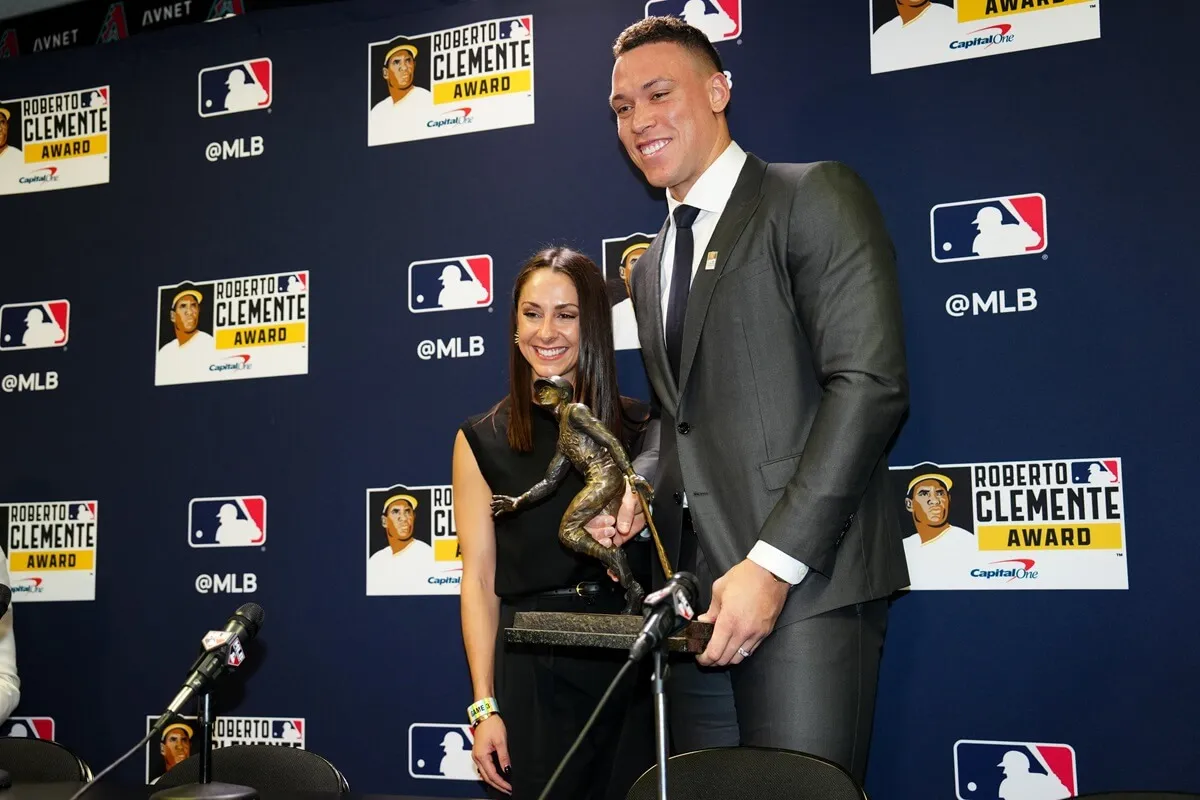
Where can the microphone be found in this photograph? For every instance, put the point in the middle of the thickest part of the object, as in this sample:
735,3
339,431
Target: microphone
668,610
223,651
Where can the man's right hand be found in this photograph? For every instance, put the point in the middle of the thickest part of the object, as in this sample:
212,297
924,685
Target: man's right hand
491,737
628,523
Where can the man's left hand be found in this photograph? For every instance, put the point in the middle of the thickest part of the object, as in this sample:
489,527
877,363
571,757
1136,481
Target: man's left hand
746,601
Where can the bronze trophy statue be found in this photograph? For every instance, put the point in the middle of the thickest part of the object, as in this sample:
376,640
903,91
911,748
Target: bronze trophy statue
585,443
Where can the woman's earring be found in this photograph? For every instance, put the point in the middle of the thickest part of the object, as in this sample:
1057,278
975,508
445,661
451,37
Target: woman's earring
516,338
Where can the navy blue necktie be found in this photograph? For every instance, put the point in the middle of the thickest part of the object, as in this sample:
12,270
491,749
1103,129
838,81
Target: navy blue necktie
681,281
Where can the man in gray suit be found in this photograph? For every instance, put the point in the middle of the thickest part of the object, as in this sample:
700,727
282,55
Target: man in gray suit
770,324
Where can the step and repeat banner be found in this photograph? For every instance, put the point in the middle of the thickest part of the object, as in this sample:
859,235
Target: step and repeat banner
257,272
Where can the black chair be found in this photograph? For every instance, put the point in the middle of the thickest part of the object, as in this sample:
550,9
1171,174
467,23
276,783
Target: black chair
1137,796
750,773
29,760
261,766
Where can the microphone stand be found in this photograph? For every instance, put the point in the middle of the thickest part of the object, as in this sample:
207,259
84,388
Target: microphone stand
206,738
205,789
660,717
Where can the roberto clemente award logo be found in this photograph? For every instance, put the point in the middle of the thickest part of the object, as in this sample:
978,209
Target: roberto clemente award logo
234,328
51,549
1055,524
472,78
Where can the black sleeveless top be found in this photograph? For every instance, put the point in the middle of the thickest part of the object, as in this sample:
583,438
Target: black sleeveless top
529,557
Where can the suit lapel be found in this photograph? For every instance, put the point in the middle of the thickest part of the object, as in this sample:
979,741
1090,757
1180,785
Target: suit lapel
741,206
647,305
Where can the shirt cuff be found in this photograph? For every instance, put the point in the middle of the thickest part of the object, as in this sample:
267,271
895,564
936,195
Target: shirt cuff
777,562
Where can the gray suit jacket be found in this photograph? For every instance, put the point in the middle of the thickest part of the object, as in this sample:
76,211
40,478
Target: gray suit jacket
792,384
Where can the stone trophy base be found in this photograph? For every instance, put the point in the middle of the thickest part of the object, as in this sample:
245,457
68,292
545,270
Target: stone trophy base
616,631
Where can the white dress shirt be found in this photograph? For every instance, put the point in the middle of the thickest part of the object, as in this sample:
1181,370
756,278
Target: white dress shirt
10,683
710,194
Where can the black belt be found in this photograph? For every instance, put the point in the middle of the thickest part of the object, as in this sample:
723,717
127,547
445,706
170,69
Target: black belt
582,589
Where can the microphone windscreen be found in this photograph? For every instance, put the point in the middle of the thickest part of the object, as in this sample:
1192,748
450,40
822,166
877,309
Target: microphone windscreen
254,614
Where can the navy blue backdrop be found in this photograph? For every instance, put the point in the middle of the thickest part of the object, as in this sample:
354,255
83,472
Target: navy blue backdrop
1096,683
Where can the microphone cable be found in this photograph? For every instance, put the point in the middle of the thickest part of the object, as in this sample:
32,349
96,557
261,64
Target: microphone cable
110,767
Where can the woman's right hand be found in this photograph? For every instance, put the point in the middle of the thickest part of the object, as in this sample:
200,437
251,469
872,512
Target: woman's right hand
491,737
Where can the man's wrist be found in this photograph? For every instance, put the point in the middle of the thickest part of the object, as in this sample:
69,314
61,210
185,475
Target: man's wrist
782,567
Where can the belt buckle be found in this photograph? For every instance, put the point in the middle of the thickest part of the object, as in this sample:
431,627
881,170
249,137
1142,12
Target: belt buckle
588,599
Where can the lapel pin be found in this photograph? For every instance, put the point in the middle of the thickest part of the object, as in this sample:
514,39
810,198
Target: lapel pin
711,260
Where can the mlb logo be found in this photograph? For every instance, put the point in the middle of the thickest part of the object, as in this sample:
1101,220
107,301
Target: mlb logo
236,87
227,521
448,284
720,20
288,731
28,727
8,44
222,9
29,326
296,283
84,512
441,751
1105,472
985,770
214,639
994,227
516,29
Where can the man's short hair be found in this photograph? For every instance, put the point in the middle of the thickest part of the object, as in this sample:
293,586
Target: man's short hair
667,29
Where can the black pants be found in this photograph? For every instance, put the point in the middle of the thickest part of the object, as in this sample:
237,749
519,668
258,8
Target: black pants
546,695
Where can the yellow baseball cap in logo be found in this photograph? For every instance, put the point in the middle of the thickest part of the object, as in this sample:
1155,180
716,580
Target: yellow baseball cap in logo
411,48
928,476
184,293
408,498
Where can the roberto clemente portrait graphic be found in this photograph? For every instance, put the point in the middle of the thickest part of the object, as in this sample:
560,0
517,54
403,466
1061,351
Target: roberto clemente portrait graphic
173,746
940,553
401,103
412,547
621,257
186,346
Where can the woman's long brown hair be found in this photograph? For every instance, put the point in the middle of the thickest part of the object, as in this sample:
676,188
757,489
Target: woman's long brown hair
596,371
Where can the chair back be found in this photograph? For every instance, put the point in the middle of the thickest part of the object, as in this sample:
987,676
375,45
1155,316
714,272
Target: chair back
261,766
28,760
750,773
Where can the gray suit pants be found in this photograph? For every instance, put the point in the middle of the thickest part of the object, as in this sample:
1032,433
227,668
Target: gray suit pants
809,687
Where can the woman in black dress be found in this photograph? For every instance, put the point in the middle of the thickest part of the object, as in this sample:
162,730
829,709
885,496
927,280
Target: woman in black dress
531,702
